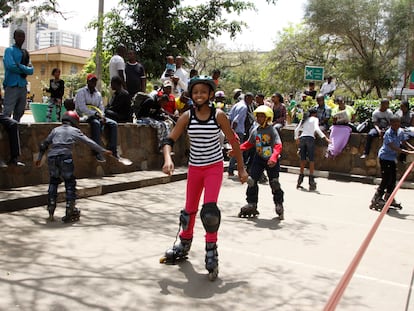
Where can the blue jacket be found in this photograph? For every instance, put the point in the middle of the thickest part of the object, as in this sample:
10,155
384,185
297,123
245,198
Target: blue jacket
14,69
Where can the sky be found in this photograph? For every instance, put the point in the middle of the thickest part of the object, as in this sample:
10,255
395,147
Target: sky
260,35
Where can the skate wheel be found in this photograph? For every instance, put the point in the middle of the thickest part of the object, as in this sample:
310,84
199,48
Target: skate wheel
163,259
212,275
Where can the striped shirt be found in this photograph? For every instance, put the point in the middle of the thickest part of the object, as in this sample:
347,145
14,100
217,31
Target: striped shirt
205,147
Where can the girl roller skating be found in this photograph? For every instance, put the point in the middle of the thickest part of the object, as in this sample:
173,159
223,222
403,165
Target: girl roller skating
393,138
268,146
205,170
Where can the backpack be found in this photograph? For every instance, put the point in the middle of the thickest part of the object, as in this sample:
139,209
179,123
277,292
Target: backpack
137,101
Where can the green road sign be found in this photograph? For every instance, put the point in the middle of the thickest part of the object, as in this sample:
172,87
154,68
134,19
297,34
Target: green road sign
314,73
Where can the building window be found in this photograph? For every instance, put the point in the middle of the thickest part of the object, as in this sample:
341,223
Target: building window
73,69
42,69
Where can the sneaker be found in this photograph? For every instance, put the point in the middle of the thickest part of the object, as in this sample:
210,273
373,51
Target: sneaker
100,158
363,156
3,164
124,161
14,161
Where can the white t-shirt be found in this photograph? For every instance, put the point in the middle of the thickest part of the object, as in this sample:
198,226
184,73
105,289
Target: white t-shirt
382,118
328,88
308,128
115,64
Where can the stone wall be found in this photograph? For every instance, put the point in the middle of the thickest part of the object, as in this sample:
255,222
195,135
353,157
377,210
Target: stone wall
139,143
348,162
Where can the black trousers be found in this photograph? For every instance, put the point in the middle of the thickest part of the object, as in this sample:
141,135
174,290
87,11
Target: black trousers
388,175
12,129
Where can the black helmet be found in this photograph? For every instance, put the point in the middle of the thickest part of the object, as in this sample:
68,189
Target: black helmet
202,79
72,117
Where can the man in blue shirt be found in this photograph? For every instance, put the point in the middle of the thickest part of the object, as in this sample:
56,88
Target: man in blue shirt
17,66
394,137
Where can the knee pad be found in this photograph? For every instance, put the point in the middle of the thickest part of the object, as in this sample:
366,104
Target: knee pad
275,185
210,217
251,182
184,219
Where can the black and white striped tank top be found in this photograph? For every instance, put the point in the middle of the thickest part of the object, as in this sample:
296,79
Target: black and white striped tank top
205,147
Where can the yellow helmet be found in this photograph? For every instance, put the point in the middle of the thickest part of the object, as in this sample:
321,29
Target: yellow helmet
267,111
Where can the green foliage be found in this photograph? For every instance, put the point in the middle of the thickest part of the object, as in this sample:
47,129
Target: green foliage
369,33
156,28
365,107
31,8
297,47
74,83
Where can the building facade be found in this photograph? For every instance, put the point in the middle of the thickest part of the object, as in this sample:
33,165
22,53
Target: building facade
69,60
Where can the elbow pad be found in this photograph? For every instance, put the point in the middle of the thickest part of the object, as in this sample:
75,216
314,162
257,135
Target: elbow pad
277,150
43,146
246,145
167,141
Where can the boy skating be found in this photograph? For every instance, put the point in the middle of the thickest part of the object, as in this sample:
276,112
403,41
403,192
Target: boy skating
60,162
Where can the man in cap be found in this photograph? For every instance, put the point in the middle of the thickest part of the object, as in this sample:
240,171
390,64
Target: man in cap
170,107
89,105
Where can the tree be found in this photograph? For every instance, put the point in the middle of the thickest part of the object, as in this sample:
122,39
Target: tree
157,28
239,69
298,46
370,32
32,8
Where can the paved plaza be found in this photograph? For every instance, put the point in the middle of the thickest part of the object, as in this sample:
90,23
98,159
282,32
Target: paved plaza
109,260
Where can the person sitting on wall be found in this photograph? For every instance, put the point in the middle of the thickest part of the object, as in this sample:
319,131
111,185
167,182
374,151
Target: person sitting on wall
151,113
12,129
89,105
119,107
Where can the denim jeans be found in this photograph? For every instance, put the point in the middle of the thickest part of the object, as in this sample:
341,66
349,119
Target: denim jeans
61,166
14,102
12,129
97,128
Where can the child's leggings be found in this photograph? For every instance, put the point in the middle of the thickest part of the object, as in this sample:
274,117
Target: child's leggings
209,178
53,103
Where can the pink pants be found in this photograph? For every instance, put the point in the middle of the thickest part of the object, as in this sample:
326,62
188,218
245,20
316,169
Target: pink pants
208,178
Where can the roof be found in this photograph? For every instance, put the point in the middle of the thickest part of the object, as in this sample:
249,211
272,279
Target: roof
60,49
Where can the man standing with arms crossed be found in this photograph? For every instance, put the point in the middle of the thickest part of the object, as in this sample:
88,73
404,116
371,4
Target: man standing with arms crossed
17,67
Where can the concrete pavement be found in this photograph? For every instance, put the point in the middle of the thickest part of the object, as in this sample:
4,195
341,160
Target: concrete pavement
109,260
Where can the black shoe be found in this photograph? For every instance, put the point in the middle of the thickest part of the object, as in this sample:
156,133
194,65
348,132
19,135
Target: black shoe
100,158
14,161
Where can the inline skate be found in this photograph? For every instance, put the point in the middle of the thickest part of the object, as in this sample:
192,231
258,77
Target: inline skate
300,181
177,252
212,260
395,204
312,183
72,213
280,211
377,202
51,206
249,210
